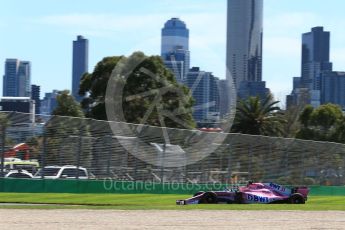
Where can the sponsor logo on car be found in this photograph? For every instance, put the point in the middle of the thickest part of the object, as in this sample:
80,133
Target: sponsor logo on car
277,187
256,198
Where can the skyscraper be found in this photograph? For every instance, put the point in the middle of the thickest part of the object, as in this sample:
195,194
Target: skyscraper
24,79
204,87
49,102
244,41
175,48
35,95
315,57
315,62
333,88
17,78
80,63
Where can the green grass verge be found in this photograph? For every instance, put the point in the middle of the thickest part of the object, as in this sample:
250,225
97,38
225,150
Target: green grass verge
150,202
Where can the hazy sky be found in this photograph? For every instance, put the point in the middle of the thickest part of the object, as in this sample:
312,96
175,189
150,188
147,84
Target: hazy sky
42,31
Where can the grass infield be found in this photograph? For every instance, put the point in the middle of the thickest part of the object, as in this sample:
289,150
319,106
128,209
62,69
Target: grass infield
149,202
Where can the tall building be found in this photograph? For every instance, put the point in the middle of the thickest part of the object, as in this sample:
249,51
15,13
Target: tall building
80,63
315,62
333,88
49,102
35,95
17,78
315,57
244,41
10,85
253,89
24,79
175,48
204,87
223,97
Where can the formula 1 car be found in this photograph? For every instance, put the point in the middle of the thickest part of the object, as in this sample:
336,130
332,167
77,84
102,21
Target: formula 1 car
263,193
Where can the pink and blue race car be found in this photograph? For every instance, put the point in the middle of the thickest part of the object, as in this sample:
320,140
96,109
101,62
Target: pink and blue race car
262,193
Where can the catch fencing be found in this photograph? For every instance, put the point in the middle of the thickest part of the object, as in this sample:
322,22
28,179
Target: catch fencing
140,153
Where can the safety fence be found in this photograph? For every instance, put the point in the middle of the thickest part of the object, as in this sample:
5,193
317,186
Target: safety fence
108,186
140,153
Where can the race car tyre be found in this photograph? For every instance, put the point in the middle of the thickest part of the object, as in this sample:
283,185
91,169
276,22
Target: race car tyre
198,193
208,198
239,198
296,198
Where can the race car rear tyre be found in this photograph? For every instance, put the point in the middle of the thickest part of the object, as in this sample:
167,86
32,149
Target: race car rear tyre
239,198
208,198
198,193
296,198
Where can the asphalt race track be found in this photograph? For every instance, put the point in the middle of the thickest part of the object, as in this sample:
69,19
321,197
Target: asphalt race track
115,219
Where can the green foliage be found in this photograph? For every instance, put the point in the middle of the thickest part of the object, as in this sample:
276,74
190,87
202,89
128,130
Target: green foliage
258,117
175,101
69,137
67,105
305,117
4,122
35,144
326,116
339,133
326,123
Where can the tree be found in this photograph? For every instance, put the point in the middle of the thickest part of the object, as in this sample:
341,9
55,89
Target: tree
292,125
305,117
4,123
258,117
326,123
142,84
339,133
67,105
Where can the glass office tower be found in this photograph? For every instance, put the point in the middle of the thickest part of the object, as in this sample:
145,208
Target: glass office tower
244,41
175,48
315,57
17,78
80,63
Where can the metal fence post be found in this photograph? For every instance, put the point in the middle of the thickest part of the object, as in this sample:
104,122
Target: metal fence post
268,159
250,165
162,161
108,140
229,165
136,160
80,143
3,140
43,154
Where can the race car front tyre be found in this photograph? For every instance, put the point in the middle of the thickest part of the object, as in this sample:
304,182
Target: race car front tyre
296,198
208,198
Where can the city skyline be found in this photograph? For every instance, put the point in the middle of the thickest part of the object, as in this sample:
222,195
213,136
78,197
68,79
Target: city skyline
116,30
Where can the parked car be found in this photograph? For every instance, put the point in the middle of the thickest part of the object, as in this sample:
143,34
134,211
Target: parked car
23,174
62,172
263,193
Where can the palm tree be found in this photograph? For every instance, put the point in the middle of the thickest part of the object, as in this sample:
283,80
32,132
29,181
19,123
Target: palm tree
258,117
